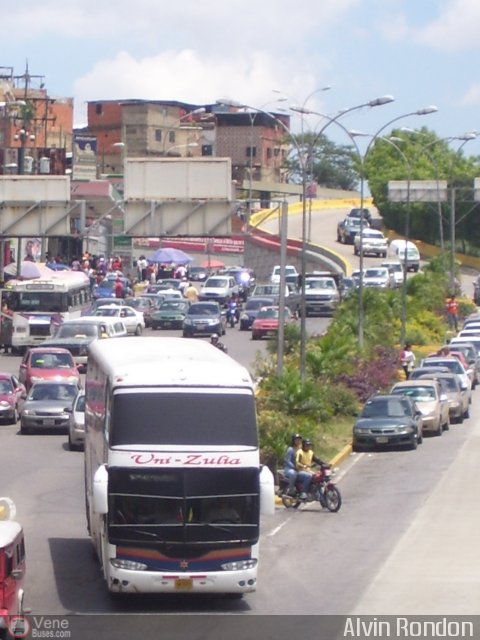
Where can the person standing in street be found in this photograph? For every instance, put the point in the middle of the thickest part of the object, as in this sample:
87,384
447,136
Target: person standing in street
451,307
191,293
407,359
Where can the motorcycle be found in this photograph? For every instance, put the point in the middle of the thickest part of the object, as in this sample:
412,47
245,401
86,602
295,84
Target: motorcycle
233,313
321,489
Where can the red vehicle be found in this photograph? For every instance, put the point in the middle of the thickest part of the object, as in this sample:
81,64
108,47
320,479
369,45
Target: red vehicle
48,363
11,391
12,570
267,320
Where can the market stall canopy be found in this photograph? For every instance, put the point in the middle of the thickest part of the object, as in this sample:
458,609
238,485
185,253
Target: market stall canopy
212,264
28,269
167,255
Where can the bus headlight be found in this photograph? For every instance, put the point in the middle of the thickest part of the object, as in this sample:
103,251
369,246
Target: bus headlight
240,565
130,565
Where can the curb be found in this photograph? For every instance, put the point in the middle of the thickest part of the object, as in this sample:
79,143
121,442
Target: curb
335,461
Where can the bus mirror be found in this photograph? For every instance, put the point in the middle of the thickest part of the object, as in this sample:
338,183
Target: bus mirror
267,492
100,490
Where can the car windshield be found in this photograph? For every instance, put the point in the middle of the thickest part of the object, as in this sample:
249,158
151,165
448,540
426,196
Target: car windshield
173,305
216,283
109,312
76,330
376,273
321,283
202,310
419,394
5,387
453,364
53,391
52,361
253,304
386,407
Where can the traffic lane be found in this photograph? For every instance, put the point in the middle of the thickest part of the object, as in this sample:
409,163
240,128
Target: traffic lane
240,345
328,561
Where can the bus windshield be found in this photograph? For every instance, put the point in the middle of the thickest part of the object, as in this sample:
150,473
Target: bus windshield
194,417
45,301
179,506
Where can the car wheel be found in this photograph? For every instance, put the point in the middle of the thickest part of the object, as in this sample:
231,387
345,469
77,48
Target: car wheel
14,418
446,424
413,444
420,438
24,430
138,330
439,431
466,413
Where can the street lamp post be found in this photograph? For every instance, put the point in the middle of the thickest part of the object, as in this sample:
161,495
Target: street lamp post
362,159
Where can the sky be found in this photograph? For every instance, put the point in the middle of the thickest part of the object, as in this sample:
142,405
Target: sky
270,55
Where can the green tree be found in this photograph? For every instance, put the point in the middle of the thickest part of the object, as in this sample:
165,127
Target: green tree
328,164
425,157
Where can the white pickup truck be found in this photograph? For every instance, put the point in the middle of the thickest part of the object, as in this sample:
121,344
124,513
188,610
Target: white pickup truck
321,295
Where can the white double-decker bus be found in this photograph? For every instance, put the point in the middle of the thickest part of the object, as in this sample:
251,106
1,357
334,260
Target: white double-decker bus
37,305
173,481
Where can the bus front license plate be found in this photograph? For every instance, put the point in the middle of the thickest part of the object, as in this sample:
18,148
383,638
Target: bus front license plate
183,584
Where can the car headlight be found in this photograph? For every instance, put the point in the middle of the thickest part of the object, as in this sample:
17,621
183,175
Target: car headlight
239,565
130,565
188,321
244,316
4,404
407,428
29,412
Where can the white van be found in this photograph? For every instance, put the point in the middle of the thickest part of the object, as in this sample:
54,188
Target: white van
396,249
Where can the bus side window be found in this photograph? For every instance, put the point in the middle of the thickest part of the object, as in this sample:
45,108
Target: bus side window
8,564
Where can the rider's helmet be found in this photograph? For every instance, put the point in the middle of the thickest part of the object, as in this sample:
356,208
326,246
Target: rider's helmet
214,338
306,442
296,436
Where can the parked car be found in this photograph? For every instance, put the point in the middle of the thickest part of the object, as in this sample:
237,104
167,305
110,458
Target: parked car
371,242
132,319
430,400
396,271
388,420
48,363
457,400
170,314
143,305
470,354
455,366
47,406
245,278
396,251
204,318
378,278
106,288
219,289
251,308
76,334
100,302
321,295
76,425
356,212
267,321
348,228
11,392
197,274
290,270
270,290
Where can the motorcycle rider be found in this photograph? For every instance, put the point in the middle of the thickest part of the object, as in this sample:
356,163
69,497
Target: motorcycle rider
214,339
304,460
289,464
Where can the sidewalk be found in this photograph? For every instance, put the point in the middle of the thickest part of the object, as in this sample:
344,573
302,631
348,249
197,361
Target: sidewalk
435,567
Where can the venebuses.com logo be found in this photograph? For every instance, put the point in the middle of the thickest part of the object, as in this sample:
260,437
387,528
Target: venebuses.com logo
38,627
